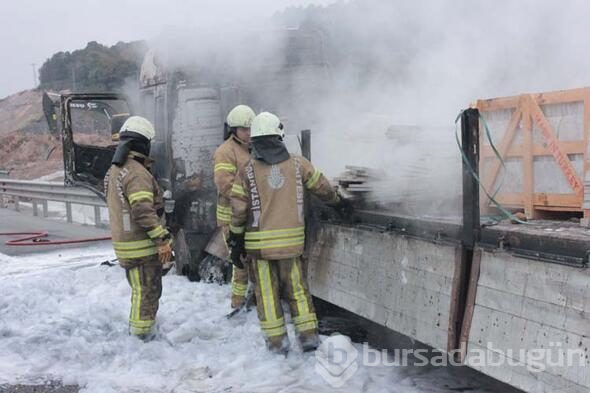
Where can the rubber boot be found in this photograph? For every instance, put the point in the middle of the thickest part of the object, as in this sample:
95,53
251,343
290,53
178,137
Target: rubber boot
310,341
237,301
278,344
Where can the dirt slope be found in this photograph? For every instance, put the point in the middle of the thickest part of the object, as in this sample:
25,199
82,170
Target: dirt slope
22,112
27,149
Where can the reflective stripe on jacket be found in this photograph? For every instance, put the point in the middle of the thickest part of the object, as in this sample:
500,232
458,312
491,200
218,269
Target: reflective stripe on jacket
134,201
267,204
229,157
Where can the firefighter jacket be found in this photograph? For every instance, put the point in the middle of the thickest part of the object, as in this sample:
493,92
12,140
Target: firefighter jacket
135,207
267,205
229,157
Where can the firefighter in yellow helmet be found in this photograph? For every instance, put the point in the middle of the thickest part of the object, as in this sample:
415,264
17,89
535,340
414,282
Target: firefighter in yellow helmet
268,225
232,155
135,204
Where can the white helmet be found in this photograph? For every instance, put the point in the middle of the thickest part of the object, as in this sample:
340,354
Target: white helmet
266,124
240,116
139,125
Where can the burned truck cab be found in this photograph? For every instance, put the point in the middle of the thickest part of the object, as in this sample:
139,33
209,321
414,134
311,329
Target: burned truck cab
189,127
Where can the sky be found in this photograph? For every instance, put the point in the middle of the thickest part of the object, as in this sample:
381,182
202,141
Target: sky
32,30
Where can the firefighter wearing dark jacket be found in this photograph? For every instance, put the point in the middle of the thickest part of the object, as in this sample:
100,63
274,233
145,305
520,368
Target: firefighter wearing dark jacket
268,223
232,155
141,242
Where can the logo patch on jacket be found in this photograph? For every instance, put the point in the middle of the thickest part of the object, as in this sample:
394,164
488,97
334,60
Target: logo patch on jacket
276,179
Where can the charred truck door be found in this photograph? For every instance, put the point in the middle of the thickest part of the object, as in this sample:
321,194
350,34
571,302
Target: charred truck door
90,132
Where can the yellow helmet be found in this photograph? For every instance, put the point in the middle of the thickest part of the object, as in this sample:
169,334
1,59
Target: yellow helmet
266,124
139,125
240,116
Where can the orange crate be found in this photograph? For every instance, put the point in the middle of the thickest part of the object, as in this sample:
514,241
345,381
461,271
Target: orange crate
542,139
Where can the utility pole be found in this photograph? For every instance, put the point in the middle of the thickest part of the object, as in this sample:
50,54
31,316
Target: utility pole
73,79
35,82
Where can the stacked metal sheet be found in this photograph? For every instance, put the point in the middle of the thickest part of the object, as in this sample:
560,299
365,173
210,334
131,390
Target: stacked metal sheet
353,183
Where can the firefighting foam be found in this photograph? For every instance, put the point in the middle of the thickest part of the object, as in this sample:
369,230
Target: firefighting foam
87,344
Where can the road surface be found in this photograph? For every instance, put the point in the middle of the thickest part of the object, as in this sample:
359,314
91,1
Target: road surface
13,221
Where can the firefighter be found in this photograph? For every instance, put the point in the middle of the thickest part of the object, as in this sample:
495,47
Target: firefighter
268,226
135,205
232,155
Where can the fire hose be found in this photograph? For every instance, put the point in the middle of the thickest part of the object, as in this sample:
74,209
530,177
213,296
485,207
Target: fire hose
38,239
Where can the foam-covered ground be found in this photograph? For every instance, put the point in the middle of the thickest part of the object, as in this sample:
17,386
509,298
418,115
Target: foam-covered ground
64,318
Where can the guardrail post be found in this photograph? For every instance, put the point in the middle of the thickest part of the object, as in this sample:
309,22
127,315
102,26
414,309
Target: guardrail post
40,193
97,220
69,212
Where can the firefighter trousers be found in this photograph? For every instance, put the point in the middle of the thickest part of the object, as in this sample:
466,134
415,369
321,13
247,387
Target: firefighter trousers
239,278
284,279
145,278
239,285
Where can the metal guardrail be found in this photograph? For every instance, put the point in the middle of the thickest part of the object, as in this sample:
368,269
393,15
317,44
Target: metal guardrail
40,192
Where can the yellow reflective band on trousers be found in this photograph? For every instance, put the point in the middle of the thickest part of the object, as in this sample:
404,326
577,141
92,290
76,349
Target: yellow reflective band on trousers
275,238
238,190
224,213
135,249
298,291
237,288
305,320
271,326
313,180
158,231
225,166
274,328
141,195
136,325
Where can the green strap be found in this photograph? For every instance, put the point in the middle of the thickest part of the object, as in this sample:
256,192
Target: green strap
476,177
496,152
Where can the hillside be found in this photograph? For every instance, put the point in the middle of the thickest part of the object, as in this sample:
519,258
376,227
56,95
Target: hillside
22,112
27,149
29,156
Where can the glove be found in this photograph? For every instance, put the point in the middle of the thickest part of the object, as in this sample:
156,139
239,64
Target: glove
344,208
237,249
165,252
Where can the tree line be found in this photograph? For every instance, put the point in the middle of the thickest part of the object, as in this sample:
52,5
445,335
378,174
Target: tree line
96,68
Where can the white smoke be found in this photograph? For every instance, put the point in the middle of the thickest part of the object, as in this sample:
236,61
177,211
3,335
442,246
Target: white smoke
395,63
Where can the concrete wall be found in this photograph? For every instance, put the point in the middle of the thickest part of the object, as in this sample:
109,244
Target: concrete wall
401,283
524,304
